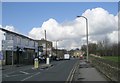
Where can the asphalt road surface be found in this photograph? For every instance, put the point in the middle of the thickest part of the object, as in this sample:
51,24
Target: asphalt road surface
60,71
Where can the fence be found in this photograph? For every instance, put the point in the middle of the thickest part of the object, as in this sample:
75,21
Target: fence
108,68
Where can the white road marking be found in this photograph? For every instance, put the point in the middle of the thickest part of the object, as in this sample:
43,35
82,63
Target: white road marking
70,77
17,70
50,68
12,75
5,75
24,72
31,76
10,72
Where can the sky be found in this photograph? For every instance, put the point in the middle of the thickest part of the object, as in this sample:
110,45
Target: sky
59,19
24,16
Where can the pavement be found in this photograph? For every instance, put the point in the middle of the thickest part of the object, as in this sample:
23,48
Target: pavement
87,72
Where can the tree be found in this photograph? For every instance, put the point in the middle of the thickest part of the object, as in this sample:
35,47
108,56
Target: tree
83,48
92,48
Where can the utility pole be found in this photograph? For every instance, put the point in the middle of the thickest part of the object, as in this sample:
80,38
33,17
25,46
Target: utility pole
12,58
46,44
56,47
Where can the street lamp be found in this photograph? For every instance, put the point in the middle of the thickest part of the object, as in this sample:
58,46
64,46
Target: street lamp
47,57
86,33
56,48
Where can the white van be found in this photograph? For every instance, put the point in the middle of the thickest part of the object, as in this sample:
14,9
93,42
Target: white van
66,57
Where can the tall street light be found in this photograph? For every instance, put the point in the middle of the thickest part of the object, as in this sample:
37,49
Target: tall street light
56,48
86,33
47,57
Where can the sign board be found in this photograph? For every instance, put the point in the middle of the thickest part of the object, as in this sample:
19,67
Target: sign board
36,50
40,48
48,49
1,56
40,53
44,45
7,45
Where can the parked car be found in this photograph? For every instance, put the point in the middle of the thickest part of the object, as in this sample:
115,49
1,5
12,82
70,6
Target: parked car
41,59
57,59
81,57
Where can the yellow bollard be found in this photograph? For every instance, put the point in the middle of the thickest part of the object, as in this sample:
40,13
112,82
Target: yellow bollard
36,63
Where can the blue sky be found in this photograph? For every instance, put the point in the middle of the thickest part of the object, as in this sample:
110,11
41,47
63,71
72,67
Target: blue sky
26,15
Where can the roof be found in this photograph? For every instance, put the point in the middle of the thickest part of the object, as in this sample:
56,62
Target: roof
7,31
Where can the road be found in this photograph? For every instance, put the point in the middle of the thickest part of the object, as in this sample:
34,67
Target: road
60,71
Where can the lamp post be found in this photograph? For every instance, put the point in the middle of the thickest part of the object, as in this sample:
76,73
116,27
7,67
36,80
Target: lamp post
56,48
47,57
86,34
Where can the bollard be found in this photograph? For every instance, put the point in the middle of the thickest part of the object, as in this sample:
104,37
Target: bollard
36,63
48,61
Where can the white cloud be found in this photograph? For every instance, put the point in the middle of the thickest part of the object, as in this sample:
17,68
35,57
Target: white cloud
100,21
101,24
10,28
113,37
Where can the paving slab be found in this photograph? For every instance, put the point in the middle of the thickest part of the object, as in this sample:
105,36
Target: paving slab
86,72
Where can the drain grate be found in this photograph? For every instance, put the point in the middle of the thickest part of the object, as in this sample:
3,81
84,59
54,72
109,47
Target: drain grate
80,78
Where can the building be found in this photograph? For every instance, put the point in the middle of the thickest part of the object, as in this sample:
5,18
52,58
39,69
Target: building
17,48
77,53
42,47
59,53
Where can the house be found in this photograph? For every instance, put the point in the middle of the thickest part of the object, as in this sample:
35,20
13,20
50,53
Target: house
18,48
77,53
59,53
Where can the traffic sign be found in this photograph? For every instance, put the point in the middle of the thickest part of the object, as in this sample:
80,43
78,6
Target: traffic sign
7,45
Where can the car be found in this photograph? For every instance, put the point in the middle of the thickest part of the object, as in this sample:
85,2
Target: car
81,57
57,59
41,59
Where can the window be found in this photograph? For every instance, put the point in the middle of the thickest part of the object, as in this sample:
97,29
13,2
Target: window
9,37
18,40
31,43
26,42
